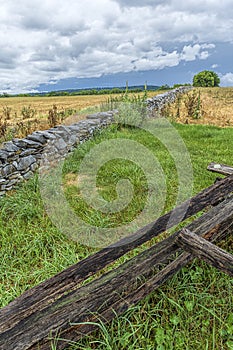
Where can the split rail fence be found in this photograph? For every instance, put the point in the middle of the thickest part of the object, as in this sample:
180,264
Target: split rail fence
64,308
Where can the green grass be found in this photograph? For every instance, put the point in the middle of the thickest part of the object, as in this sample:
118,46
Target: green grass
192,311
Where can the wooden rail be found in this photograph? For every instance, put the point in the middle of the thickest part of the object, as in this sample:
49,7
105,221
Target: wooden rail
60,306
202,249
220,168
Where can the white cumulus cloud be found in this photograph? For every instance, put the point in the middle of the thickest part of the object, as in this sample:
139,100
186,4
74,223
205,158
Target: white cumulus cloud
226,79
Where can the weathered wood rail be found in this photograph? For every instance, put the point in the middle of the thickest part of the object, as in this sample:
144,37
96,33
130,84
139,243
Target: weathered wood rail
60,307
220,168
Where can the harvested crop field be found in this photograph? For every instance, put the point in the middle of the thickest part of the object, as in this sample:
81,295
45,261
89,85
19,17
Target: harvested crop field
20,116
216,107
42,105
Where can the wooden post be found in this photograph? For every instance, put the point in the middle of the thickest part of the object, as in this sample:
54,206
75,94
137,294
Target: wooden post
202,249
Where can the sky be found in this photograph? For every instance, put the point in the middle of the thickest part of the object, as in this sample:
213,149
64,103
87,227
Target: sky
56,44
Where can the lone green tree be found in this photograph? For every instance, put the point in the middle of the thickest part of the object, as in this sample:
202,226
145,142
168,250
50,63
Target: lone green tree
206,78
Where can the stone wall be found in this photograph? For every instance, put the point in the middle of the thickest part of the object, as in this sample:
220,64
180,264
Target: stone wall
159,101
20,158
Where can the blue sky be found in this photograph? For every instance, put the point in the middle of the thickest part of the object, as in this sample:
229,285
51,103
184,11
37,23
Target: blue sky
58,44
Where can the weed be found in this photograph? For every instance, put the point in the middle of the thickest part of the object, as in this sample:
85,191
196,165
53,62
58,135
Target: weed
3,127
68,112
178,104
193,104
56,117
6,112
28,112
132,108
53,118
25,128
166,111
114,102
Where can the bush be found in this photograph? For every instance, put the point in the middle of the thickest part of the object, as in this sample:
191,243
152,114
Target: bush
206,78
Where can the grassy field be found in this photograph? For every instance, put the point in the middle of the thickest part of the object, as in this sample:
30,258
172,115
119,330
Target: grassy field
192,311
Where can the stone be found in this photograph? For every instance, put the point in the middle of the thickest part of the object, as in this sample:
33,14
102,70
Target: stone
49,149
37,156
28,175
15,175
37,137
105,115
72,140
63,128
11,183
4,155
13,158
34,167
74,128
93,116
7,170
26,143
10,147
25,162
61,134
29,151
47,134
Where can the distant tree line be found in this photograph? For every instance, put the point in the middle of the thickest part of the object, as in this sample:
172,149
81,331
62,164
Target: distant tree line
97,91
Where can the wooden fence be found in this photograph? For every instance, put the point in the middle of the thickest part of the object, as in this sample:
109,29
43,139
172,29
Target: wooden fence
63,308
